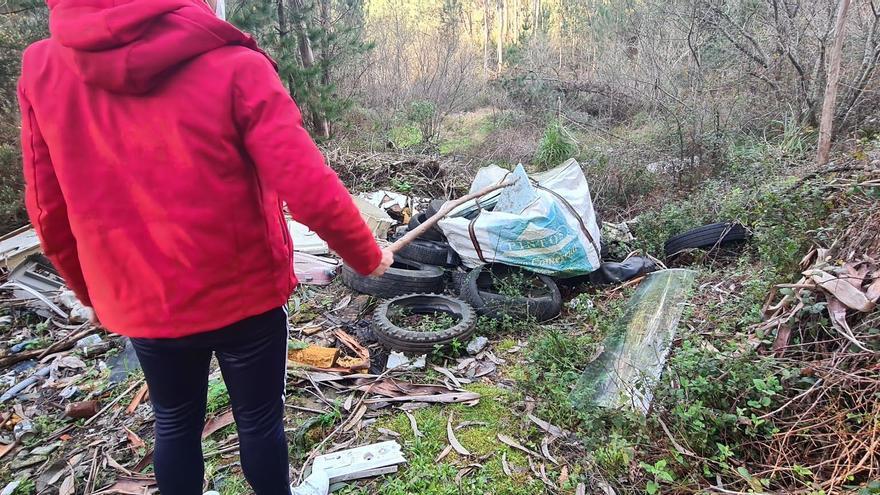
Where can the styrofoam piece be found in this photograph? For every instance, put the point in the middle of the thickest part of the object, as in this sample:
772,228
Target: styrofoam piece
359,462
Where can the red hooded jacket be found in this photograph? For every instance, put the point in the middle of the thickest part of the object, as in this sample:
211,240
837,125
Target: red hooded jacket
159,144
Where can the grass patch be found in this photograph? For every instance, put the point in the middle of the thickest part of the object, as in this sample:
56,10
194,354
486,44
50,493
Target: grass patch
218,396
423,475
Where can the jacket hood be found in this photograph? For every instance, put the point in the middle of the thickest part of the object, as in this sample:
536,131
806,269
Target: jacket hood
129,46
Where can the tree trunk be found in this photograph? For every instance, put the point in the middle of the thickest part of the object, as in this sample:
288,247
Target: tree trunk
499,7
828,107
516,25
282,35
319,122
325,42
536,4
486,21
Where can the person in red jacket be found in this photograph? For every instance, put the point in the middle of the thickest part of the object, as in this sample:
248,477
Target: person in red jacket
159,148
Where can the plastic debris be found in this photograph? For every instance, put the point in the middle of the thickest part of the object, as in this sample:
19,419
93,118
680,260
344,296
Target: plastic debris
614,273
27,382
123,364
23,429
635,353
305,240
314,270
477,345
544,223
399,361
351,464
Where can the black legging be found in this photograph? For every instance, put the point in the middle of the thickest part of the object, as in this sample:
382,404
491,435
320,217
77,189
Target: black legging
252,355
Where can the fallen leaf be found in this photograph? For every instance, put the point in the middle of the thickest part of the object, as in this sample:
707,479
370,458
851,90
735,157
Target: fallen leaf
412,424
453,440
541,473
387,432
355,418
348,402
518,446
837,311
581,489
841,289
465,424
873,291
563,476
443,454
217,423
135,440
549,428
438,398
310,330
68,486
143,463
484,369
504,465
115,465
545,449
131,487
470,468
448,374
345,301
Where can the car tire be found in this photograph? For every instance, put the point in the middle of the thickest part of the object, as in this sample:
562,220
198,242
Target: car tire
432,234
706,236
404,277
403,339
428,252
434,206
476,291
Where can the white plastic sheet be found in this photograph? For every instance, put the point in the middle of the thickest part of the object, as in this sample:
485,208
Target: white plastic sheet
544,223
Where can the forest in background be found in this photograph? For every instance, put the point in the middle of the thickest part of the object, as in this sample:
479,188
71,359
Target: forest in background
682,113
619,83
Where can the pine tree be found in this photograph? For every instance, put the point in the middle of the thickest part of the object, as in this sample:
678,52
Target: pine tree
310,40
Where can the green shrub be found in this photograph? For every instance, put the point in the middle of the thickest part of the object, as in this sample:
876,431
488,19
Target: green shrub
12,212
555,146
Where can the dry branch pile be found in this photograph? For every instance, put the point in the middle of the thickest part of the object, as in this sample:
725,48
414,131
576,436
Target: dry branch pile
827,324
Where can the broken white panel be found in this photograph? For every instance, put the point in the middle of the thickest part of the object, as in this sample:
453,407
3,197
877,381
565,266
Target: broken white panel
386,199
17,245
305,240
359,462
35,279
377,219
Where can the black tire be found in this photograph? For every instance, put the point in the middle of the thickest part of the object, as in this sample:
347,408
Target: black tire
405,340
706,236
427,252
404,277
434,206
456,280
432,234
476,291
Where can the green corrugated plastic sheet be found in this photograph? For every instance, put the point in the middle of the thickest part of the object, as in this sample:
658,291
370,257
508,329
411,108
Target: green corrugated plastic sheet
635,352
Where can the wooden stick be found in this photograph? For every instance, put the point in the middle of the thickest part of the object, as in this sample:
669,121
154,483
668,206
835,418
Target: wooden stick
70,341
449,206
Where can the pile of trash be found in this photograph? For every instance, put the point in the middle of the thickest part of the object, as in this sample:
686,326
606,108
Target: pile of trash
496,255
71,388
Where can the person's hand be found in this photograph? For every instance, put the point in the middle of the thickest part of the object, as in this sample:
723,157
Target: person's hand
387,260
